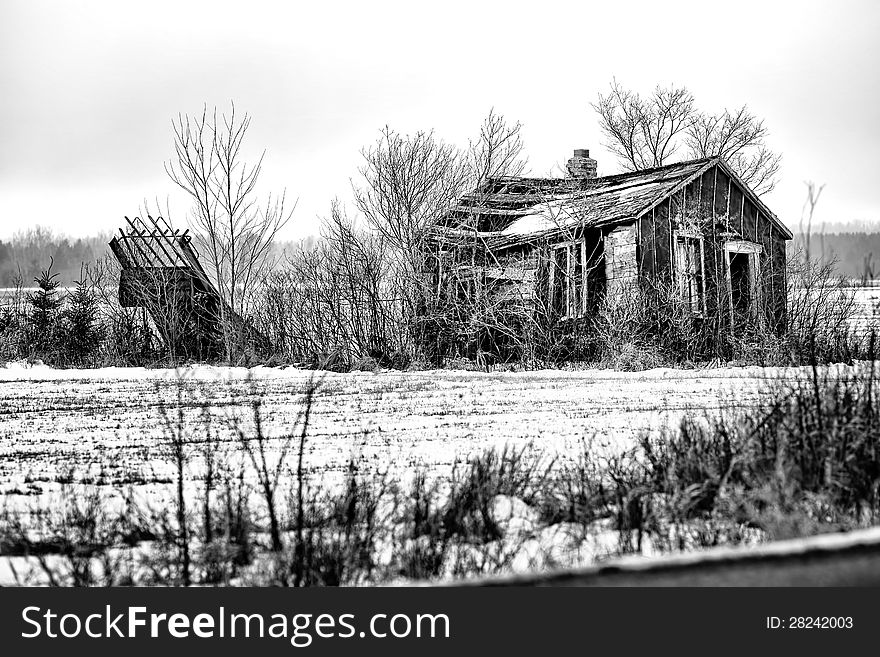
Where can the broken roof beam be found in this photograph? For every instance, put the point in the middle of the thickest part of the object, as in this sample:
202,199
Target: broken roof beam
189,256
169,231
139,255
120,252
173,257
155,258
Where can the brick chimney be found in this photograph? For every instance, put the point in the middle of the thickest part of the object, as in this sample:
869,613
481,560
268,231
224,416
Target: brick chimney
581,166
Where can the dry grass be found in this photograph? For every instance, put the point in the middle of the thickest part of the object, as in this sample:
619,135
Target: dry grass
803,461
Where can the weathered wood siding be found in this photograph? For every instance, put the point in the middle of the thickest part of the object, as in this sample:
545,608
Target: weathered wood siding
713,205
721,210
621,265
515,275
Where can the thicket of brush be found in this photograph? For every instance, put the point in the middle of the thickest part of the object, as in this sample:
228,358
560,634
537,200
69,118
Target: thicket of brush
651,327
78,326
342,304
806,461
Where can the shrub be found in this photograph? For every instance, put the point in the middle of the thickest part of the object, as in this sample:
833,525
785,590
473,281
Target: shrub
43,316
819,313
578,491
807,461
518,473
82,330
649,326
13,323
342,534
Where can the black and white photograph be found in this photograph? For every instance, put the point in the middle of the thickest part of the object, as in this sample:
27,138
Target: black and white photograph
432,298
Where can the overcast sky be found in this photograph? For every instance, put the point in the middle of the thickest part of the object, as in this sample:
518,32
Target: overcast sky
88,90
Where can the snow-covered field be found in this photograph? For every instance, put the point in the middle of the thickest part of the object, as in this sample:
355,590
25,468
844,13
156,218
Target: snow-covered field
107,425
73,432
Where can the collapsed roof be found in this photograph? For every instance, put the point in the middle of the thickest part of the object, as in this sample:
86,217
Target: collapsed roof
518,210
156,245
161,272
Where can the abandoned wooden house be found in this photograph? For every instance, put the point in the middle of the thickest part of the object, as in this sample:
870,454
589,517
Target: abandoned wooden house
161,273
557,247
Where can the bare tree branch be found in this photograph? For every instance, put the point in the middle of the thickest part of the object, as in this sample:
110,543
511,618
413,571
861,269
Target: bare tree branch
234,229
649,132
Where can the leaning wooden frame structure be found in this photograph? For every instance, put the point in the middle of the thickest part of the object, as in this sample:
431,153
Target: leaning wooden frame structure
161,273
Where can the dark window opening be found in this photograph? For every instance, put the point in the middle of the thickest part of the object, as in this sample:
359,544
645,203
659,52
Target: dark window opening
559,280
568,280
740,282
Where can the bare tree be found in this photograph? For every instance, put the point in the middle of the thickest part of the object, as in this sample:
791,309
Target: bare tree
130,335
470,291
372,291
410,183
366,293
335,302
806,221
651,131
497,151
236,231
644,132
739,138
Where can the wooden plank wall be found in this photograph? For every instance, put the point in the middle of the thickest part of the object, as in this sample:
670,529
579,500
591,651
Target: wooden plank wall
722,207
621,266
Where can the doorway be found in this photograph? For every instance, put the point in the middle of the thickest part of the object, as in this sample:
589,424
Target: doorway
741,283
742,259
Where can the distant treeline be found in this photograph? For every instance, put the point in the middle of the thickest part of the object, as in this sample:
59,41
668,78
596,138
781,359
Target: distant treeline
856,254
27,254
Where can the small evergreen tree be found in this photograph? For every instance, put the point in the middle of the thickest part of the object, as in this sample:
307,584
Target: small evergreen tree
82,327
13,325
45,305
